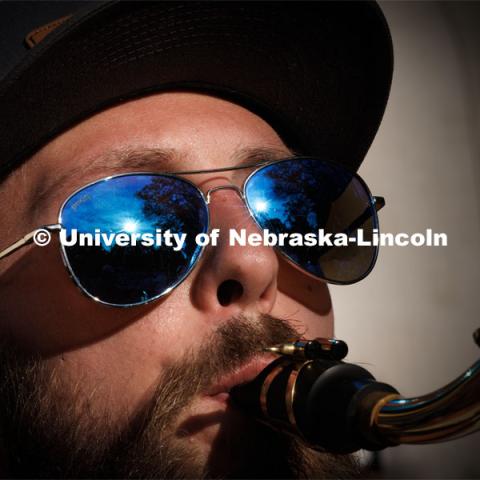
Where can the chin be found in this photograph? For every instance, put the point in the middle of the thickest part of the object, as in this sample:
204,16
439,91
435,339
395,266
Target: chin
214,428
207,418
213,413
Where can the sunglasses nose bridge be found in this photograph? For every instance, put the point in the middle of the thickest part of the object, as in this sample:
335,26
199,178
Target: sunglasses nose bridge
223,187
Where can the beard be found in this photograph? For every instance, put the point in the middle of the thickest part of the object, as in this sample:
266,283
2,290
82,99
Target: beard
51,431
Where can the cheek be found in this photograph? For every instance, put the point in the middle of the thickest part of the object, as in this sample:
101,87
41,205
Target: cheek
120,372
309,323
43,310
304,301
114,357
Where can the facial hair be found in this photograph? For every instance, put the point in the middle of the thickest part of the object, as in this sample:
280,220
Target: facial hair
49,432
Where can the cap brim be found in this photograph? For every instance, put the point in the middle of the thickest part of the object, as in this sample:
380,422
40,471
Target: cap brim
319,72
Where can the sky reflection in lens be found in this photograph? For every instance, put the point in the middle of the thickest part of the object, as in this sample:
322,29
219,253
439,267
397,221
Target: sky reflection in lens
307,195
134,204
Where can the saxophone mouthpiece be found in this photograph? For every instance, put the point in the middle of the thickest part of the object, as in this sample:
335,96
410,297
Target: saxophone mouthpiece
324,348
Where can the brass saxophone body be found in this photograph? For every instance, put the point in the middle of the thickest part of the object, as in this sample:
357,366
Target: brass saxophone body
308,391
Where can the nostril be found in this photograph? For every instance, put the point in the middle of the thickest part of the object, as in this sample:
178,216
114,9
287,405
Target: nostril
228,292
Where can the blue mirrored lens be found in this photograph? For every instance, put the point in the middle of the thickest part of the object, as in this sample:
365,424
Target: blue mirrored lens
307,195
136,204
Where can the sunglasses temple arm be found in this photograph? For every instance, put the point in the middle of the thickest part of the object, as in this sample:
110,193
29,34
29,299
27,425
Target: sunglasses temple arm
27,239
378,203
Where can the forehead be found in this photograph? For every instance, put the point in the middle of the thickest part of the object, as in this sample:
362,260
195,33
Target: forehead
184,122
163,132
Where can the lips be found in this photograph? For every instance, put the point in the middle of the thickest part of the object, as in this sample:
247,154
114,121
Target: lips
243,374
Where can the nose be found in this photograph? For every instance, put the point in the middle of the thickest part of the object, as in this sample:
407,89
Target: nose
234,278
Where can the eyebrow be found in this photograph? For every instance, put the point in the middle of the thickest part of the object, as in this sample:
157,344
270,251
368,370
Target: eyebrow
119,161
158,160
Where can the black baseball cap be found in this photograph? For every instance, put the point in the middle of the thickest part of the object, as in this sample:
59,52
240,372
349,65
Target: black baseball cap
318,72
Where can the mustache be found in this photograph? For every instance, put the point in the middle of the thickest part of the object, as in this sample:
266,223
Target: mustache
234,343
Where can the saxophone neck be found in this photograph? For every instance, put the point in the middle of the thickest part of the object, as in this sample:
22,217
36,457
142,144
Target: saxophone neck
450,412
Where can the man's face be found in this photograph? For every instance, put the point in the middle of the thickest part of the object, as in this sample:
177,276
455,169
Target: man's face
151,379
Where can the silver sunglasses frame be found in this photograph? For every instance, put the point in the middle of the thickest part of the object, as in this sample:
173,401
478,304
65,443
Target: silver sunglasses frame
376,202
